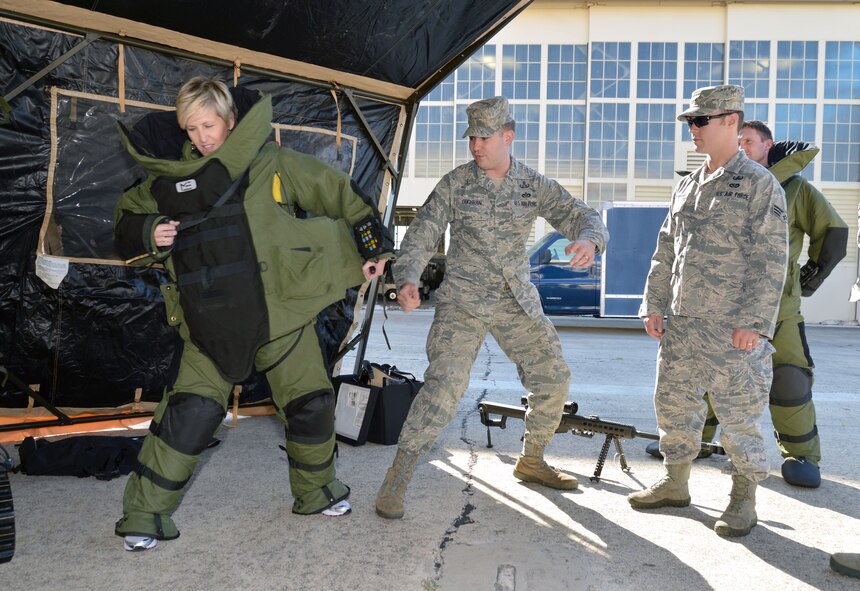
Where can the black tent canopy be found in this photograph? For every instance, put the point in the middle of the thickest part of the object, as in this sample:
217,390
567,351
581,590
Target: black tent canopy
345,78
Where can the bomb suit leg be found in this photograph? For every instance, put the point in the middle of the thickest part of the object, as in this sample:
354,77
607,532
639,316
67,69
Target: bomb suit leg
791,407
304,401
711,421
183,425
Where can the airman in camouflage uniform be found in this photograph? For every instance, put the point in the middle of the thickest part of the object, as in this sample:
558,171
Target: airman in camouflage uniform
491,204
792,409
718,270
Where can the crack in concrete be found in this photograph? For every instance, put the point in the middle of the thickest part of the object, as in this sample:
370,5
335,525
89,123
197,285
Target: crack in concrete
463,518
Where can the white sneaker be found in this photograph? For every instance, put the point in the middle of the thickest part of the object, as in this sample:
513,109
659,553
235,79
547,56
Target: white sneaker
139,543
341,508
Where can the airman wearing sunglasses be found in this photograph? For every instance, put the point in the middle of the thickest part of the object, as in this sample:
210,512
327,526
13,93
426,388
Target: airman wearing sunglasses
717,272
814,221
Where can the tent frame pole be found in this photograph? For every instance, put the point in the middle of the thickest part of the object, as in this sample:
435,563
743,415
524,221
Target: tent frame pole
388,220
24,388
62,418
348,93
89,38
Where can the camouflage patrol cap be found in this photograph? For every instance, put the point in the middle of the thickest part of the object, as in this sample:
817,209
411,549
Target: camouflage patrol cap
486,117
714,99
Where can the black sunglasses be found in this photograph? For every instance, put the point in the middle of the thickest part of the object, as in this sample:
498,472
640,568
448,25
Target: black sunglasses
703,120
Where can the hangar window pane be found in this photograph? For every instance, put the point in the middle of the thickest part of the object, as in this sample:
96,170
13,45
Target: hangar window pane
703,66
796,122
527,142
462,154
796,69
565,141
608,128
657,75
749,66
756,111
655,139
840,148
599,194
434,140
842,70
566,72
610,69
521,71
444,91
476,78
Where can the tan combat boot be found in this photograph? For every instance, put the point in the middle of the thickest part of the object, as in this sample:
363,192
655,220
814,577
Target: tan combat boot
535,469
669,491
846,563
739,517
389,499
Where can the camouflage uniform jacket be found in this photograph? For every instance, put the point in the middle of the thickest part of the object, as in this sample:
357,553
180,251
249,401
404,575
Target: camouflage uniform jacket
809,214
489,229
722,251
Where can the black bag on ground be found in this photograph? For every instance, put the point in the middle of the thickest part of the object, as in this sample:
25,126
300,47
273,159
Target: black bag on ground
102,456
356,400
397,389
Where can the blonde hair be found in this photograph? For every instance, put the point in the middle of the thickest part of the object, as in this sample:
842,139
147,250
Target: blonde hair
201,92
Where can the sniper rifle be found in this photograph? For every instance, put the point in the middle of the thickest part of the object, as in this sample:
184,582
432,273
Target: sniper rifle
578,425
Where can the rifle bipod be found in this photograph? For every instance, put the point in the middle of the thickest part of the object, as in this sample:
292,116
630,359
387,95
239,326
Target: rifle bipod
604,451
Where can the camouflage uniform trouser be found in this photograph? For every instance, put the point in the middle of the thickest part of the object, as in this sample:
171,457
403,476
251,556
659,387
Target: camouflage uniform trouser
193,410
453,343
696,356
791,407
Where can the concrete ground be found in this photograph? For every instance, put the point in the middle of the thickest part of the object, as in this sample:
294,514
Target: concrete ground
469,524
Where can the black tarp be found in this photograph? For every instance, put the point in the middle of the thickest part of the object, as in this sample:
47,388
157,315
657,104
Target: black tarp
102,333
400,41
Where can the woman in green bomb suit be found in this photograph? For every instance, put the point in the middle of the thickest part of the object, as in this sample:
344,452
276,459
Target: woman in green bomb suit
246,281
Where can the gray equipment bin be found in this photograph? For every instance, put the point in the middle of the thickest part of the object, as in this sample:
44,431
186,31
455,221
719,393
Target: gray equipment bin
633,229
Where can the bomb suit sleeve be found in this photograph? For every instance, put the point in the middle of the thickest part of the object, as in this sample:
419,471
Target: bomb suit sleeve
828,236
321,189
134,220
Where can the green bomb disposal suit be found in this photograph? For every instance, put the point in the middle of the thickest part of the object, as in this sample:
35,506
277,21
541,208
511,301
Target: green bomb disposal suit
247,279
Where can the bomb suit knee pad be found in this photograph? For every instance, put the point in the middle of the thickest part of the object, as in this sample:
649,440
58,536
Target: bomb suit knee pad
165,464
188,422
310,418
792,386
793,412
310,452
